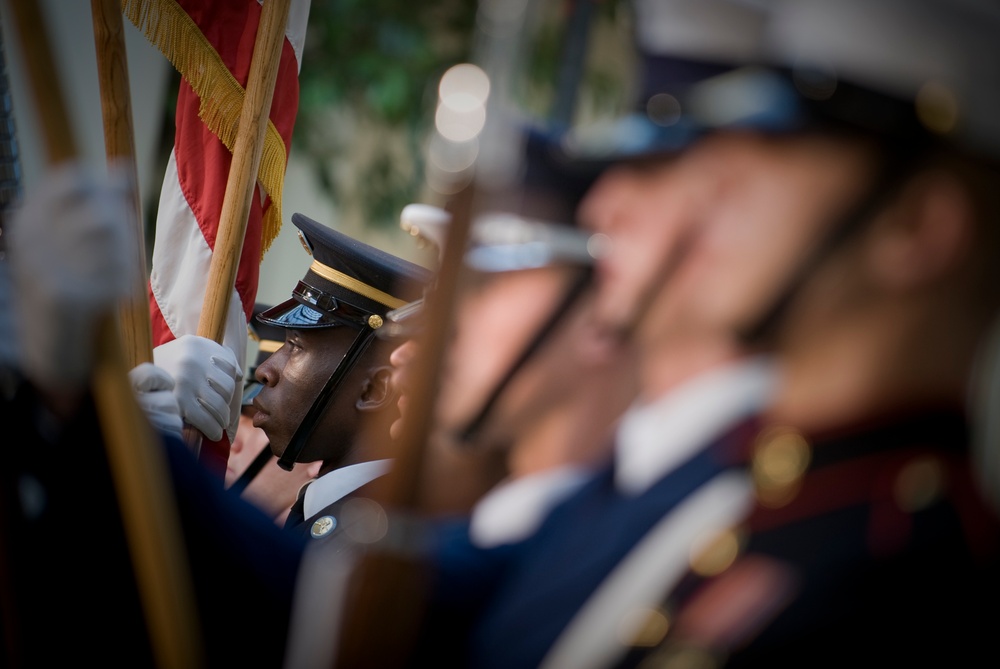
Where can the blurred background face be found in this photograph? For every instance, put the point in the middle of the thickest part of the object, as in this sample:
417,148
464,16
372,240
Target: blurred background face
768,203
623,205
573,358
497,316
703,242
401,360
649,210
249,442
273,489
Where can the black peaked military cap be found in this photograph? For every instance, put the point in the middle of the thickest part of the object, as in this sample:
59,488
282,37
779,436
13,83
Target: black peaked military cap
348,283
269,338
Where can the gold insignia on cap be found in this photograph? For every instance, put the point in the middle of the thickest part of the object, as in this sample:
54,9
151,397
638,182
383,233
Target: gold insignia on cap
374,321
323,527
305,243
780,459
919,483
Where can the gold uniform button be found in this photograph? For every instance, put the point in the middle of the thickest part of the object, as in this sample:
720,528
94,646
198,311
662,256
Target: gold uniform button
682,657
781,458
323,527
713,554
643,628
919,484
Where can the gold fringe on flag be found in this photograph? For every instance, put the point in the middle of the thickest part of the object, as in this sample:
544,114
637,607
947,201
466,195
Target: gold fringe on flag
177,36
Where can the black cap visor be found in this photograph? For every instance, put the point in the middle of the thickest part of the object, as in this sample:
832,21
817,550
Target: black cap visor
313,308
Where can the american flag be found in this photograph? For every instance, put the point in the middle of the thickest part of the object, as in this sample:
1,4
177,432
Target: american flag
211,42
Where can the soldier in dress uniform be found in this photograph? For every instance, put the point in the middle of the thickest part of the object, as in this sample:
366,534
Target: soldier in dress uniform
331,372
529,388
841,218
252,470
864,215
518,426
511,396
851,233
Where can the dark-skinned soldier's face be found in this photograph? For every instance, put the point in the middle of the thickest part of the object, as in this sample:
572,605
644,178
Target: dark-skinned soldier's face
294,375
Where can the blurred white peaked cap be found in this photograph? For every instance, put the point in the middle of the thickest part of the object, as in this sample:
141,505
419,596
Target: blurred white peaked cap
429,224
706,30
935,63
944,55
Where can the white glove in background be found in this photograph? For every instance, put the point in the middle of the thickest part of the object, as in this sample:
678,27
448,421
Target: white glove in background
206,378
154,391
70,249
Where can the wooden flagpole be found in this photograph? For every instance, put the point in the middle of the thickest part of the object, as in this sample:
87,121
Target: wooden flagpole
119,142
247,151
243,171
137,464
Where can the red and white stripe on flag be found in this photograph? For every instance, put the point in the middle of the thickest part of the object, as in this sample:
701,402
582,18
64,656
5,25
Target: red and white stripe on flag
210,42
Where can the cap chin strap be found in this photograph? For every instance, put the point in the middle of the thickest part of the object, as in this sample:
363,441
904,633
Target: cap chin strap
671,262
248,475
575,290
305,429
896,168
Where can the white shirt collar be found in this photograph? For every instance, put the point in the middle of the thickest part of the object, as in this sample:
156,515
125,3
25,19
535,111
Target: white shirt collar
513,509
339,483
654,438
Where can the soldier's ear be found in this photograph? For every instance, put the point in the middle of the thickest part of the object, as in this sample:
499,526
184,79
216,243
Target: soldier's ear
927,235
378,392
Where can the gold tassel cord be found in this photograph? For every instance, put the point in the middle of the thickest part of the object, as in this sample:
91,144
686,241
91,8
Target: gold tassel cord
166,25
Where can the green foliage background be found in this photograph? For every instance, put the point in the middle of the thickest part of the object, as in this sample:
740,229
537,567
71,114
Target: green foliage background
371,67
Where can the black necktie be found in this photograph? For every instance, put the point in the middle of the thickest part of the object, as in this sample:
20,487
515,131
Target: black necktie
296,516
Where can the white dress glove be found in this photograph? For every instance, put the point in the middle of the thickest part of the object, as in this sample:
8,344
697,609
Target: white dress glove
206,378
72,259
154,390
